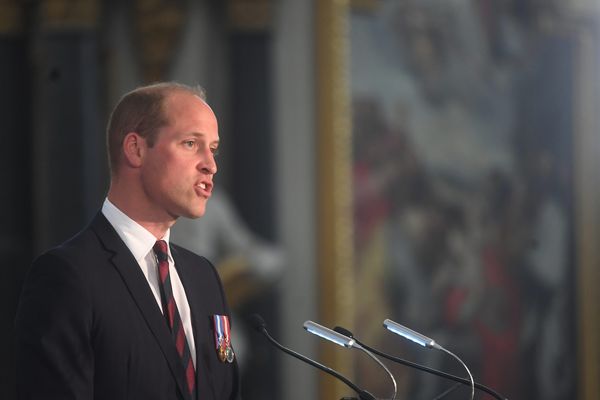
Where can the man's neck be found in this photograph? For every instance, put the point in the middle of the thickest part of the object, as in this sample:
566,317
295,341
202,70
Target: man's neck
136,209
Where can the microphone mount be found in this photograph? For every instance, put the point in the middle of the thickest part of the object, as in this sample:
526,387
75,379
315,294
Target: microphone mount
259,324
426,342
420,367
347,342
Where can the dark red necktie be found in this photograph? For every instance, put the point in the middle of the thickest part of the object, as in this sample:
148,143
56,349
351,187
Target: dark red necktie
172,314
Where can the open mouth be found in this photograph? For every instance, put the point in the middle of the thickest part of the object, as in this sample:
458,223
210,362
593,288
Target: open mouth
205,187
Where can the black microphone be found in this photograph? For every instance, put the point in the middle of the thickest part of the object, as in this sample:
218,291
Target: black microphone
259,324
442,374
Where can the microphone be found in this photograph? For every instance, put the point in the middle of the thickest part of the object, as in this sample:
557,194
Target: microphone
328,334
259,324
425,342
411,335
347,342
411,364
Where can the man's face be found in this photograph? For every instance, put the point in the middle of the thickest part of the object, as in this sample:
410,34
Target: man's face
177,172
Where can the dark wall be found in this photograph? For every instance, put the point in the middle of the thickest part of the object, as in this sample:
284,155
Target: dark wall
15,202
53,113
253,187
69,167
51,161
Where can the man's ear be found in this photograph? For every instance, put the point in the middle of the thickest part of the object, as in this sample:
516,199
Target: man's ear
134,149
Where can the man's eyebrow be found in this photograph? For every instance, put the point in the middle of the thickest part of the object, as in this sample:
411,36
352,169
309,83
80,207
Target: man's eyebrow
203,135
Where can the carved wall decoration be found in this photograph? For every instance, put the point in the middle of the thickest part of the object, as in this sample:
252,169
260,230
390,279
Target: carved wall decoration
249,15
68,14
158,26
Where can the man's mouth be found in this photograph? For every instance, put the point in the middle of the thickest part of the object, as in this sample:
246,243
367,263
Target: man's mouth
205,187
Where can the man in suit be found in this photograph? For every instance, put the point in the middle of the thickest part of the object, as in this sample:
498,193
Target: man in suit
117,312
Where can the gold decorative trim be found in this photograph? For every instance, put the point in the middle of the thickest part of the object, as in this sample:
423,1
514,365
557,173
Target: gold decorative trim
11,17
158,27
587,208
68,14
335,250
249,15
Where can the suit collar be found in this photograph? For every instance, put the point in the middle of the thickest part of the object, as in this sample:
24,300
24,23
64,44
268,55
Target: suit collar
137,238
125,263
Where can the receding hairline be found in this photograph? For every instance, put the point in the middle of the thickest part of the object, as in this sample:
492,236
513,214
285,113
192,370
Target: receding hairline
167,88
169,94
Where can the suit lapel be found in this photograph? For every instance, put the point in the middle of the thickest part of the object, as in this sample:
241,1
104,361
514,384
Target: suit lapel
200,321
138,286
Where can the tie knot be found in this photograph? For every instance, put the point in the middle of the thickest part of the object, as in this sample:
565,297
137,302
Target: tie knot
161,250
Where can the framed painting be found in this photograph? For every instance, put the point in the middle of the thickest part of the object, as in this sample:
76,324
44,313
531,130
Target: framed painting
457,192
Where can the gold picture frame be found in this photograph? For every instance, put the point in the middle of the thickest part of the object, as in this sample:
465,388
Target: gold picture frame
335,230
335,256
587,205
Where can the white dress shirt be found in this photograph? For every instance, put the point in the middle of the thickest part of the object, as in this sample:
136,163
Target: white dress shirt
140,242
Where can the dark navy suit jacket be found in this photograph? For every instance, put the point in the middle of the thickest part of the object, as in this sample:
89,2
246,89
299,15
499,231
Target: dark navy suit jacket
89,327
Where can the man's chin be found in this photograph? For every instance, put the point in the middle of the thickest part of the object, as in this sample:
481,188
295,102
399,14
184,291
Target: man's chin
191,210
195,214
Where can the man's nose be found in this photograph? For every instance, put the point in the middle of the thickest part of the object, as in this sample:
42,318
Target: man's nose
208,164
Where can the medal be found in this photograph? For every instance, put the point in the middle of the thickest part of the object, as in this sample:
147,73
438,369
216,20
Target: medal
222,354
223,338
229,354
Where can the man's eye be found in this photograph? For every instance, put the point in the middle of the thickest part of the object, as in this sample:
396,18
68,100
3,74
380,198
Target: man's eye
189,143
215,151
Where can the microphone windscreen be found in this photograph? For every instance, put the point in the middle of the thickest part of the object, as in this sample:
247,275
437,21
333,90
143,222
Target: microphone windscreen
343,331
257,322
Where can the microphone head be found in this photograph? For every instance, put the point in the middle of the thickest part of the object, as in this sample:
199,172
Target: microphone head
344,332
329,334
257,322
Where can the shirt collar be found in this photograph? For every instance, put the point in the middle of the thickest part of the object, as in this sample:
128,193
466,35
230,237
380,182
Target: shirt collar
137,238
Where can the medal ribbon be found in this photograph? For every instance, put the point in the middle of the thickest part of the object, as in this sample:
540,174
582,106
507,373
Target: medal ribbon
222,331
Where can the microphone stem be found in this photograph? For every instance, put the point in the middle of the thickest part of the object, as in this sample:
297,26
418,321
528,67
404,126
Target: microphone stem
465,366
447,392
363,394
382,366
432,371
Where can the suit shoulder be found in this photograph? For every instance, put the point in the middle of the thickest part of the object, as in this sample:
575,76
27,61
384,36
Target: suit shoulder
76,250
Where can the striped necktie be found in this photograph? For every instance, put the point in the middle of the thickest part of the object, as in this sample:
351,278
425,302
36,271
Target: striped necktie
172,314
